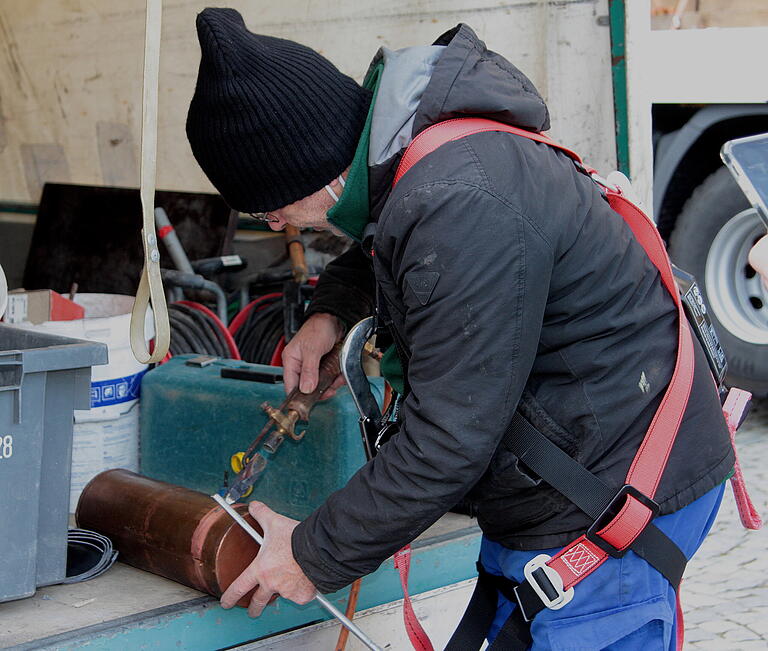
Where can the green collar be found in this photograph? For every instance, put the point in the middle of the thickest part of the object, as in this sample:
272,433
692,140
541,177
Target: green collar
352,212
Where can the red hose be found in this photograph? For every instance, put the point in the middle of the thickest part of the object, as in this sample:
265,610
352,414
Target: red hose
277,356
233,351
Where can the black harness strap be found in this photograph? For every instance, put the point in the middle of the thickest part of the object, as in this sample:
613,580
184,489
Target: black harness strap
481,610
588,492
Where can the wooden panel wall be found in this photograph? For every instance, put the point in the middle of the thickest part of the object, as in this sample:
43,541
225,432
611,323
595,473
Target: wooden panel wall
70,74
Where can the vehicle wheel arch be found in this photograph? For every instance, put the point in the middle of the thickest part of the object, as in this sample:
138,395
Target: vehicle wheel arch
687,156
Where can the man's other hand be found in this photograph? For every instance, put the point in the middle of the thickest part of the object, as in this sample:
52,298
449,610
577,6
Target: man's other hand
274,570
758,258
301,357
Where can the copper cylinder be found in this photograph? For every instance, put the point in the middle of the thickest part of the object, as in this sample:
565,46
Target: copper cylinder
168,530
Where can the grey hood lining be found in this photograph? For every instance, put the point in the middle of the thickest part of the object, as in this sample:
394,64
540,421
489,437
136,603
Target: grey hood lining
406,74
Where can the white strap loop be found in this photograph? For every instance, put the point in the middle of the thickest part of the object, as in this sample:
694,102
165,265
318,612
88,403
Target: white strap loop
150,291
3,292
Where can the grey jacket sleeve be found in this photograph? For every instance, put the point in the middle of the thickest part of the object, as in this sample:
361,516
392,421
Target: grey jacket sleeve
472,338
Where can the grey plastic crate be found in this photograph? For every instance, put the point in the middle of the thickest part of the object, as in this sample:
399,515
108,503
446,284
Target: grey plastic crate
43,378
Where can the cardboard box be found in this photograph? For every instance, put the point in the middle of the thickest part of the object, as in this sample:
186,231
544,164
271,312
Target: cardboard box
40,305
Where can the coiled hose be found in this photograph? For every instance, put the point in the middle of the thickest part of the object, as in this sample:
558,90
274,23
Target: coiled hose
195,329
258,329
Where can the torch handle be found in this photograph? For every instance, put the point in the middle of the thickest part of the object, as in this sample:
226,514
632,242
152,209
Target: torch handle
302,403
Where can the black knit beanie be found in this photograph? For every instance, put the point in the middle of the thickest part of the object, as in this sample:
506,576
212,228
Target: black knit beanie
271,121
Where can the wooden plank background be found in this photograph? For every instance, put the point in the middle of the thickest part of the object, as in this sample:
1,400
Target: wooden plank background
70,74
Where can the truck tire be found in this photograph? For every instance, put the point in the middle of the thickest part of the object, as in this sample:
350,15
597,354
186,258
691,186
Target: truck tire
711,239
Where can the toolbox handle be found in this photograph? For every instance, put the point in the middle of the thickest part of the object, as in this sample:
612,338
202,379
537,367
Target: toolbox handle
11,372
11,375
251,375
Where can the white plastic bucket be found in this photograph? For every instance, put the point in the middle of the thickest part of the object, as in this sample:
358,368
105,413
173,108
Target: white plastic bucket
107,435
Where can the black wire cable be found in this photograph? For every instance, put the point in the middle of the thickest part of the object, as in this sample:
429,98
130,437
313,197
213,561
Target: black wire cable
186,325
223,345
194,337
193,331
267,333
259,335
81,543
179,342
213,337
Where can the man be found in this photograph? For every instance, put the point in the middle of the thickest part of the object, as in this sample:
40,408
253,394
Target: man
510,286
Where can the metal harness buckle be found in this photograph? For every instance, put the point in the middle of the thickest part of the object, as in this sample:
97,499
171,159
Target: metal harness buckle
604,183
611,511
546,583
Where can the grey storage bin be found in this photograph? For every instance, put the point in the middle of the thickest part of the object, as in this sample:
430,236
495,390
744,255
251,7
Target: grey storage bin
43,378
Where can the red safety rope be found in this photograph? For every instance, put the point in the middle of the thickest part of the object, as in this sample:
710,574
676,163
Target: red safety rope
680,623
733,410
416,633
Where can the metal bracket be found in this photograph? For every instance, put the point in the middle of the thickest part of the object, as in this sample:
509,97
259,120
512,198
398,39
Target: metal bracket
533,574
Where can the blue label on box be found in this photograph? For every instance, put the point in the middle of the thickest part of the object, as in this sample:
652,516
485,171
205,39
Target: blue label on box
112,392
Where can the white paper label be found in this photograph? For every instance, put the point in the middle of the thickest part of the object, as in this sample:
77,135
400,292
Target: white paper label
17,308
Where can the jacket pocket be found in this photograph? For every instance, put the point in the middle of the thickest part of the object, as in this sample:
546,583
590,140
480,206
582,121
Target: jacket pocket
507,473
530,407
511,497
643,626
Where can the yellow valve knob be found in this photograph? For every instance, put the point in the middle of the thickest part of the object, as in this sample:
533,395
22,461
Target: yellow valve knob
236,461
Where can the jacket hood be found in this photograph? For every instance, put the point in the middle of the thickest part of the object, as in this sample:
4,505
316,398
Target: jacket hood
471,80
458,76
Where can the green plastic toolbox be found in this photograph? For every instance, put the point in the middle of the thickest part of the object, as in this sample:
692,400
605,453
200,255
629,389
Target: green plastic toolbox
193,420
43,378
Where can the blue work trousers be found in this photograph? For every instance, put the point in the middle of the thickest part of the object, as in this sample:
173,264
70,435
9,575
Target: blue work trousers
624,605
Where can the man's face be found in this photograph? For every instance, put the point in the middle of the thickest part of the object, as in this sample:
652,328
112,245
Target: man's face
309,212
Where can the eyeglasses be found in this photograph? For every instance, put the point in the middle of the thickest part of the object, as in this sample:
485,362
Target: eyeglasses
263,217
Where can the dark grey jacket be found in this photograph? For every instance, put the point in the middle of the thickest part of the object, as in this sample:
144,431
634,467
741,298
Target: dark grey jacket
514,286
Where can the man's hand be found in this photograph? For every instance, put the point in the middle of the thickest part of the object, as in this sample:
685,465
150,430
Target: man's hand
758,259
301,357
274,570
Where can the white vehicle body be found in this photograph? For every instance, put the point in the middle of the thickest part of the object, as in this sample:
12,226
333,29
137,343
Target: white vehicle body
689,91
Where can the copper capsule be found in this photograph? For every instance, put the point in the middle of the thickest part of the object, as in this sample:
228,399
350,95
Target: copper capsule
168,530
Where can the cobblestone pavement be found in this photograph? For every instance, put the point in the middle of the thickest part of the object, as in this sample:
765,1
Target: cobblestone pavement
725,589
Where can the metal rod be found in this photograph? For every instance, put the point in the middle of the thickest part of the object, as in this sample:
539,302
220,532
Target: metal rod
346,622
172,242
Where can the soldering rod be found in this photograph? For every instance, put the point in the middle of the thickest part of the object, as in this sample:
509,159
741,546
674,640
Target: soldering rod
346,622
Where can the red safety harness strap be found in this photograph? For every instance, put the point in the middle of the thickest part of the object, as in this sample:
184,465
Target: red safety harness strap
416,634
734,410
442,132
583,556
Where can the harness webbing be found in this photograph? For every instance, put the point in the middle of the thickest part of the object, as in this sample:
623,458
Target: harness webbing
587,491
